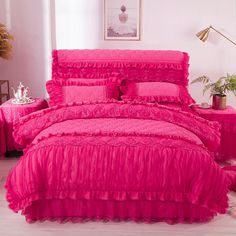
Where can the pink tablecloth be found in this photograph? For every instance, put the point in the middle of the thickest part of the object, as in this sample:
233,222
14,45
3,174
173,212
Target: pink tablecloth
227,119
12,112
2,135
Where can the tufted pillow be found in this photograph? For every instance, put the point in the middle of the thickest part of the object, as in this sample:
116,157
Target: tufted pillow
78,90
162,92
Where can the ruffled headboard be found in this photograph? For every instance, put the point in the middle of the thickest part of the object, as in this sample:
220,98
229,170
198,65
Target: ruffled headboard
139,65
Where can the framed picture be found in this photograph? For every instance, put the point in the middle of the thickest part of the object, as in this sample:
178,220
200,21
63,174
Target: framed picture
122,19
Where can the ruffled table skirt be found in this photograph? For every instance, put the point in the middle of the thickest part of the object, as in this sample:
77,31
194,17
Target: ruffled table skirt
10,114
227,120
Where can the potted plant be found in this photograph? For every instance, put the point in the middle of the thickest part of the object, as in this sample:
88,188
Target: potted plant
218,89
5,43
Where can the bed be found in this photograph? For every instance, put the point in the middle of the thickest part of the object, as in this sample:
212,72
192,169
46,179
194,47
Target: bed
117,159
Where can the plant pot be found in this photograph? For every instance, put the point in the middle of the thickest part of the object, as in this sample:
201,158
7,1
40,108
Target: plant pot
219,102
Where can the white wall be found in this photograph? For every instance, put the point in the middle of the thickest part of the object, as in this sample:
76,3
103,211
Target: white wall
169,24
78,23
29,22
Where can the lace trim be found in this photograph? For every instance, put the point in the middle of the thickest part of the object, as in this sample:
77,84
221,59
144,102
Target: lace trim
213,124
115,195
208,131
171,99
75,82
65,219
130,142
121,64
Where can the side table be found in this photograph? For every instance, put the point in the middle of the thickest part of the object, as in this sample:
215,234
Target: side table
12,112
227,120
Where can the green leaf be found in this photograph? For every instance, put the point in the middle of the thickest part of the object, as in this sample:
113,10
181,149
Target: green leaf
207,87
203,79
222,86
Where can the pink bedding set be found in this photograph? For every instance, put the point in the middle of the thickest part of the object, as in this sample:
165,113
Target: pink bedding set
117,152
118,160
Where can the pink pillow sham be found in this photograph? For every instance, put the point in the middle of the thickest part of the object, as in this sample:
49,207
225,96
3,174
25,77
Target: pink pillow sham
162,92
79,90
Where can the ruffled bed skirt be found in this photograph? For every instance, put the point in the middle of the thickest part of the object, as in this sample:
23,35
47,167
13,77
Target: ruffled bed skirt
70,178
106,210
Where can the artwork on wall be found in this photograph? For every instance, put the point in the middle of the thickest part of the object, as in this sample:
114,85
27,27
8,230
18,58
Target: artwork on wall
122,19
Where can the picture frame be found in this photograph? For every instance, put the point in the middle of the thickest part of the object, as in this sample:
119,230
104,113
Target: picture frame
122,19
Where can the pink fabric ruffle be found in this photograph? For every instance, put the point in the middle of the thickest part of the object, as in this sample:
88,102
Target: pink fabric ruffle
11,113
78,82
140,211
227,119
135,129
159,99
137,65
29,126
76,167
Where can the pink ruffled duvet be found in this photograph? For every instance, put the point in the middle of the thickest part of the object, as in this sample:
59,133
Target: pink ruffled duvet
116,160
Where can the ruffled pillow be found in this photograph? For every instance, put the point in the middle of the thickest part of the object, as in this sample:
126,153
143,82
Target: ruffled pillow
79,90
162,92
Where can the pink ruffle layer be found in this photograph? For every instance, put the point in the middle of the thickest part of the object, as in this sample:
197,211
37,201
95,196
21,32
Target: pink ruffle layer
167,99
61,168
141,211
29,126
137,65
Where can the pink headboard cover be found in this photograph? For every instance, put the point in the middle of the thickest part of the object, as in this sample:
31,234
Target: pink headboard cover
138,65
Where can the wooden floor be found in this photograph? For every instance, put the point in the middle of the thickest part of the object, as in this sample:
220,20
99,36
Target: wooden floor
12,224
